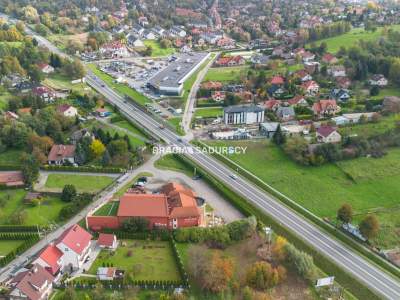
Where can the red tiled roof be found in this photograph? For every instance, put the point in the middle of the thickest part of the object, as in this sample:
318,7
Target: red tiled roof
269,104
295,100
143,205
322,105
106,239
50,255
36,277
63,108
76,238
59,152
328,57
11,178
325,131
306,85
277,80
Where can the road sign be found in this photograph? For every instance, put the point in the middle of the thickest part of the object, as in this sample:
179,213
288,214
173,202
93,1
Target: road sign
325,281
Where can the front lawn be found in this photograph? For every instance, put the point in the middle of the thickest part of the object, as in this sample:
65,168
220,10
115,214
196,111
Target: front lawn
149,260
365,183
13,203
83,183
6,246
109,209
157,50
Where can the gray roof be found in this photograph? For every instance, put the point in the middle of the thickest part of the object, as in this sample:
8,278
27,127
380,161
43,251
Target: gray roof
243,108
285,110
270,126
172,75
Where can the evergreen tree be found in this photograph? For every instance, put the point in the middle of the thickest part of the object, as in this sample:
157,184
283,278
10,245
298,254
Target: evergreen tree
279,138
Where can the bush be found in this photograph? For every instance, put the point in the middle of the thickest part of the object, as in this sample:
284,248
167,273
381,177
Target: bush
303,262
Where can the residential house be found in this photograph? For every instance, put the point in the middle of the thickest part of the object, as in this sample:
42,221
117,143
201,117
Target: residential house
298,100
11,179
218,96
45,68
343,82
137,30
135,42
324,108
11,115
303,75
149,35
50,258
272,104
226,43
307,56
78,135
268,129
285,113
329,59
142,20
378,80
158,30
107,241
311,67
230,61
177,31
340,95
46,94
353,118
61,154
337,71
277,80
311,88
67,110
294,130
260,60
33,284
103,112
114,49
328,134
243,114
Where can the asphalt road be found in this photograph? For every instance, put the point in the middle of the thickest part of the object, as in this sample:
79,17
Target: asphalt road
379,281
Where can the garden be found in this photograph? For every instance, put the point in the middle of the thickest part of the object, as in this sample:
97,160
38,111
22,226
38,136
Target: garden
144,259
83,183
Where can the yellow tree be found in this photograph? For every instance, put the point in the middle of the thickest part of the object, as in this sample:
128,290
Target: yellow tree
97,148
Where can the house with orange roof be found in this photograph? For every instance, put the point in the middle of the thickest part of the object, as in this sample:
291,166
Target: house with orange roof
311,88
324,108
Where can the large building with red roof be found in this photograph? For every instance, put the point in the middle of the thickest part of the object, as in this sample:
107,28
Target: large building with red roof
68,252
174,207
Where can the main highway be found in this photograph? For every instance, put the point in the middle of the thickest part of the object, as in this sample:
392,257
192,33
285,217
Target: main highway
376,279
383,284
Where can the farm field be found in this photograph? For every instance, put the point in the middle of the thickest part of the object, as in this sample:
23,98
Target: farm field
151,260
209,112
352,37
157,50
323,189
45,213
6,246
83,183
120,88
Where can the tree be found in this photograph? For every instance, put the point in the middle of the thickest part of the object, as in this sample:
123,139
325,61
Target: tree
303,262
217,273
106,159
136,224
369,226
30,168
261,275
394,73
68,193
278,248
35,74
279,138
374,91
345,213
165,43
97,148
69,294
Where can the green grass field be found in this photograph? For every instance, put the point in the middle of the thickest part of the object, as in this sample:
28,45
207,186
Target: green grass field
128,126
176,124
61,82
226,74
43,214
351,38
370,129
209,112
6,246
109,209
157,50
151,260
323,189
120,88
168,162
11,157
389,91
83,183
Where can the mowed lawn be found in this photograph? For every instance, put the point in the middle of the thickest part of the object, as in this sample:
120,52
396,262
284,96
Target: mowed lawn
6,246
209,112
150,260
352,37
226,74
365,183
157,49
389,91
45,213
83,183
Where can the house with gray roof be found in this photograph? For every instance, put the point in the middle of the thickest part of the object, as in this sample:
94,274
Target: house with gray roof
285,113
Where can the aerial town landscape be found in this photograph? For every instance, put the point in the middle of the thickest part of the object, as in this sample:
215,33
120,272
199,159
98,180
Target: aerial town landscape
206,149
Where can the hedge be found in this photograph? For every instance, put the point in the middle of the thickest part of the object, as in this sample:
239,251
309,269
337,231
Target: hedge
20,228
152,235
248,209
84,169
30,240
